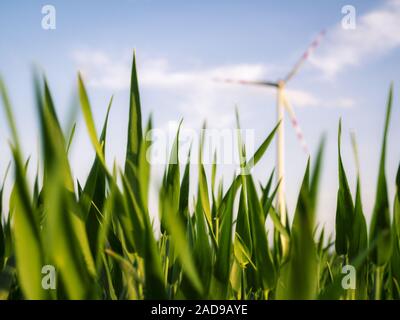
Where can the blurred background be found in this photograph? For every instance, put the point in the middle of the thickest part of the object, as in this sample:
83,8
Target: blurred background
182,45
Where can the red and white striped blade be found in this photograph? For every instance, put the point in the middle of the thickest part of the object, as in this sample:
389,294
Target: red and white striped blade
305,56
295,123
246,82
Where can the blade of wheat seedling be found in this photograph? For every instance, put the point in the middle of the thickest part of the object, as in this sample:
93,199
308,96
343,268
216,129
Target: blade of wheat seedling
104,228
216,211
380,223
174,225
316,174
265,194
131,277
243,236
359,235
137,225
184,193
344,208
144,167
214,172
111,290
145,245
223,259
172,180
27,242
266,272
176,231
203,188
51,133
132,219
395,259
275,217
64,230
243,244
251,163
50,105
202,252
380,228
94,192
155,288
85,106
2,234
71,137
135,122
244,240
298,278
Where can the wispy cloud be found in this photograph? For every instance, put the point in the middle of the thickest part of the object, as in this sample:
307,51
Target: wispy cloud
377,32
200,96
157,73
103,71
100,70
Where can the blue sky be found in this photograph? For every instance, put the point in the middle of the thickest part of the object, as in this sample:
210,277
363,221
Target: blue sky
181,45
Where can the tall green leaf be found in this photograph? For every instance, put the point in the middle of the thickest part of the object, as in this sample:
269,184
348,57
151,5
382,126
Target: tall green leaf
298,279
380,223
135,122
344,208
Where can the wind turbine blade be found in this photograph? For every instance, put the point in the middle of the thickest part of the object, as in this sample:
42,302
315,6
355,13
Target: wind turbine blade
305,56
246,82
295,123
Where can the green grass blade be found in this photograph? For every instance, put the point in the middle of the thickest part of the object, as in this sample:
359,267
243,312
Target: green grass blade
27,242
395,259
93,195
299,275
344,207
316,175
135,121
223,260
87,113
380,223
265,267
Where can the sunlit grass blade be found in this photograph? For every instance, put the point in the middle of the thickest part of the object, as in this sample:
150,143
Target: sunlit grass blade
316,175
87,113
93,195
380,222
266,272
64,229
135,122
298,278
27,241
395,259
184,193
2,233
344,208
223,260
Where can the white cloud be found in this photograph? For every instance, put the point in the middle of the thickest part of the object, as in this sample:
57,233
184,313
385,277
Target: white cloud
301,98
200,96
101,71
345,103
157,73
195,93
377,32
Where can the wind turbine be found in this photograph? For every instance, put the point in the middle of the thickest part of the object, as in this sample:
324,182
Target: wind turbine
282,104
